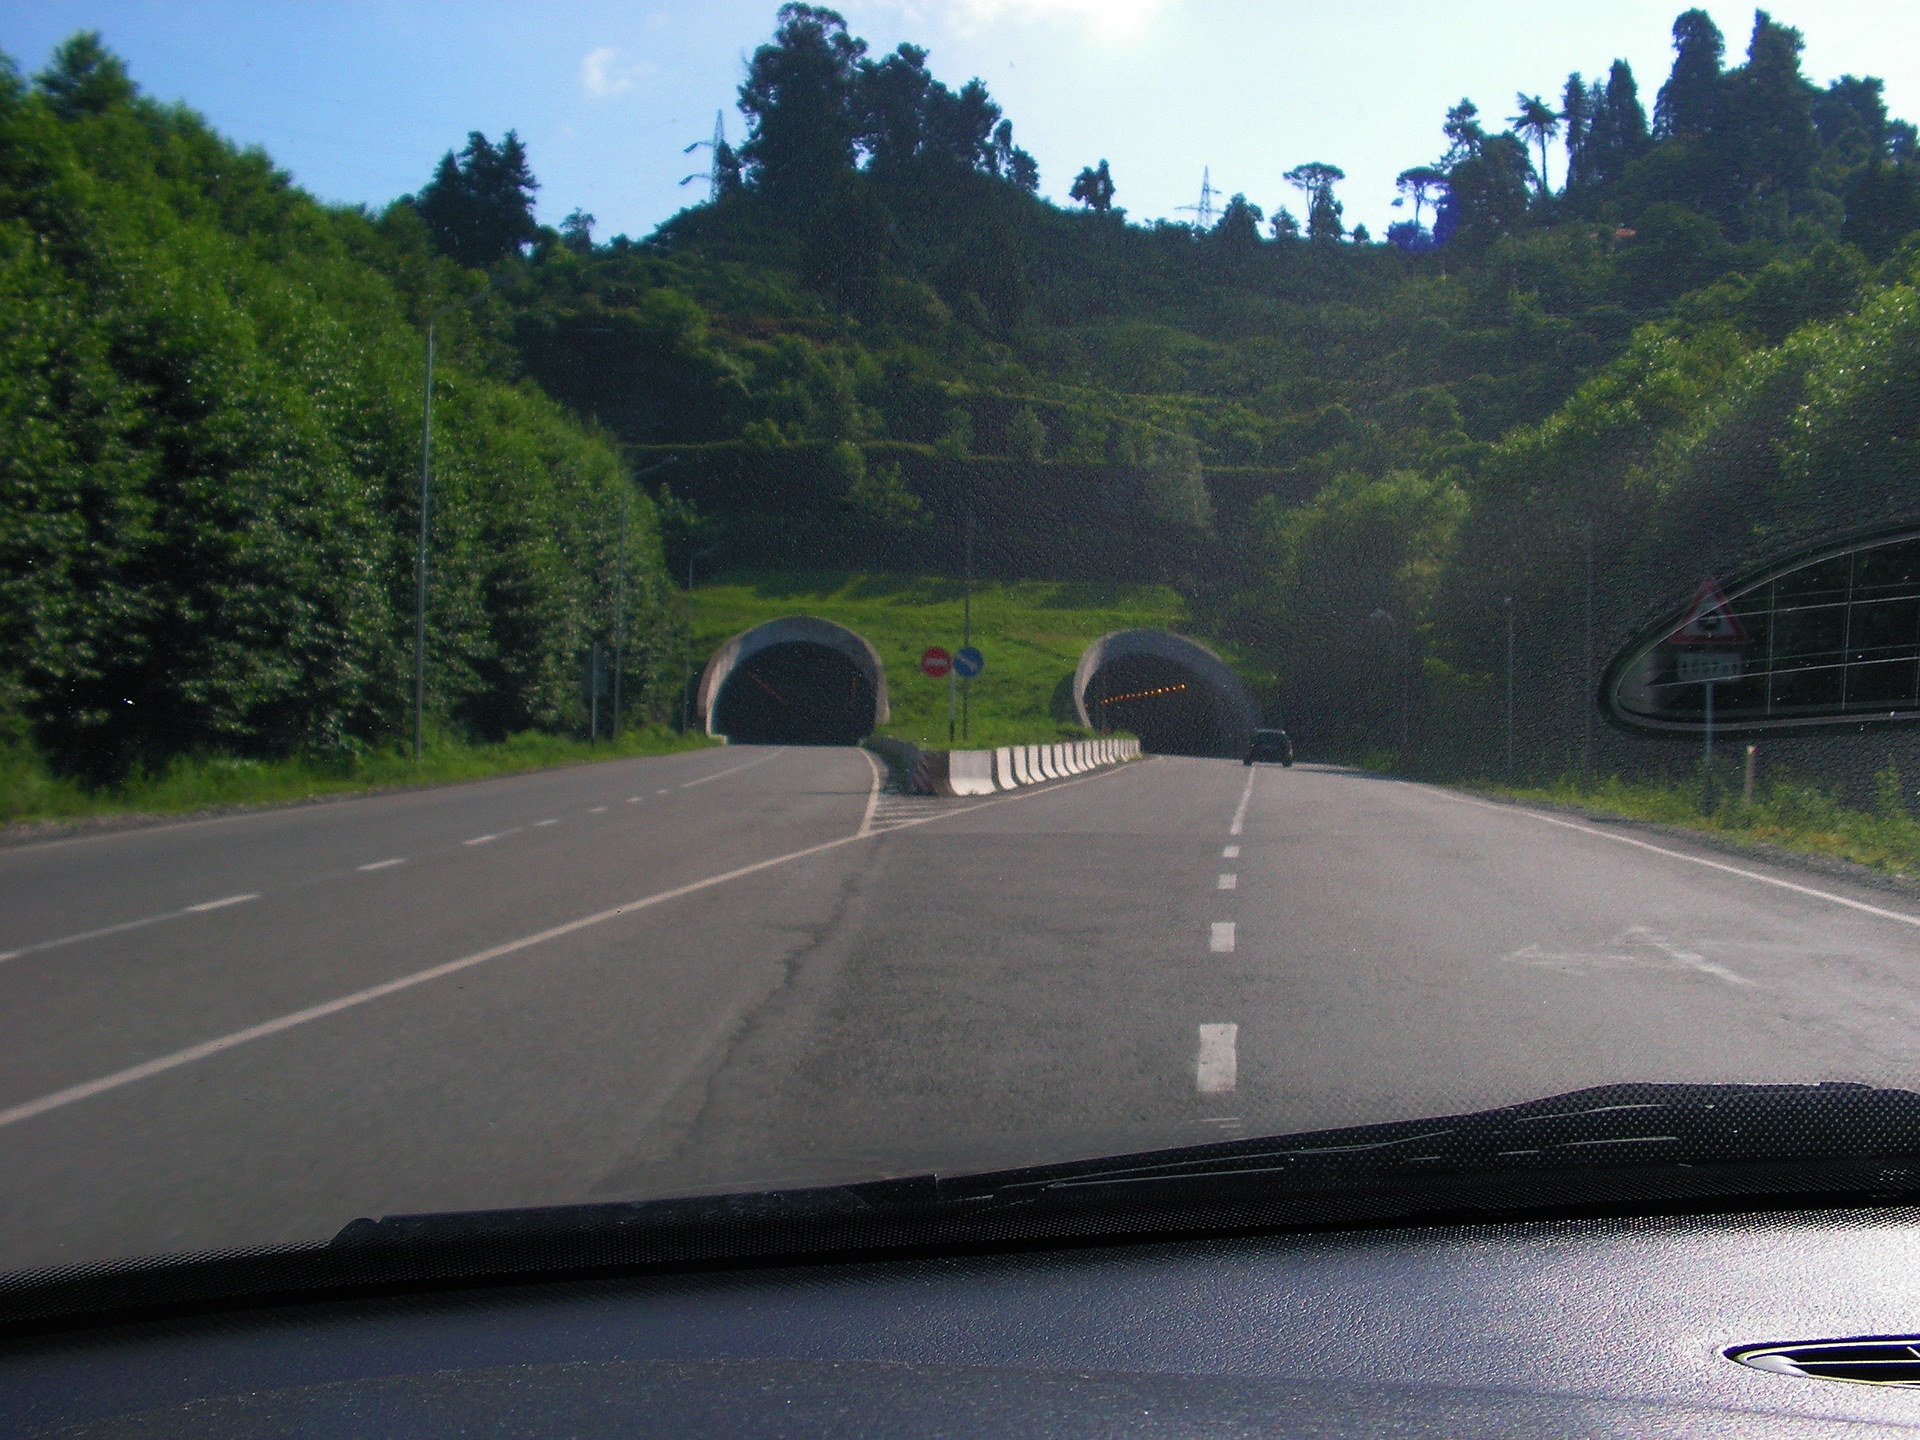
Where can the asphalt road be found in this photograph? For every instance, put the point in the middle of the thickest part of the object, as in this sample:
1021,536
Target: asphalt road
747,967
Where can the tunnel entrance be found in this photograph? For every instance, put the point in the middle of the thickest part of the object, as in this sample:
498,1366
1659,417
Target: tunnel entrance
1163,703
799,680
798,693
1175,694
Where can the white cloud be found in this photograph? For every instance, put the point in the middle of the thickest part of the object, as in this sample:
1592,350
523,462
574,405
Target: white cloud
602,74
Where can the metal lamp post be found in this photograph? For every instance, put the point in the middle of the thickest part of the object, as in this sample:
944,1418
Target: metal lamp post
620,592
1383,616
420,555
686,683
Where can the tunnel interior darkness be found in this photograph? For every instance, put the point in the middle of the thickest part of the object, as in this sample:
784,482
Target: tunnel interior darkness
1171,709
795,693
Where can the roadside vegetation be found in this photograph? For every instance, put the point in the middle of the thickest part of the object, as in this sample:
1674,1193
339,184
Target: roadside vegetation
30,792
1648,334
1031,633
1784,811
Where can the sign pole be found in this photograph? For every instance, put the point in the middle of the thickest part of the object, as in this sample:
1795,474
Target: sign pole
950,687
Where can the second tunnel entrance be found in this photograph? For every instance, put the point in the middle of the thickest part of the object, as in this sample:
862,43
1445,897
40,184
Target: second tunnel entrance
1175,694
794,681
795,694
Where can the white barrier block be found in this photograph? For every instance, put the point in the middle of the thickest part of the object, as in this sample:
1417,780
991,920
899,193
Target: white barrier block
1049,770
970,772
1023,764
1003,768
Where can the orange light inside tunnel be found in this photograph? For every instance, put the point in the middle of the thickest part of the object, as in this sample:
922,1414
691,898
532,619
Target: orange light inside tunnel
1141,694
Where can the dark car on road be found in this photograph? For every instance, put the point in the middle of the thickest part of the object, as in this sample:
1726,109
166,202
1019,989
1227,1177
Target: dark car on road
1269,745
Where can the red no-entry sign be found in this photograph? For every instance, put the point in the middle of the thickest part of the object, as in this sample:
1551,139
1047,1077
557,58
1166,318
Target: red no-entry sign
936,661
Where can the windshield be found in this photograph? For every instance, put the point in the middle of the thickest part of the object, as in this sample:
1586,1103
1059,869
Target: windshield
627,603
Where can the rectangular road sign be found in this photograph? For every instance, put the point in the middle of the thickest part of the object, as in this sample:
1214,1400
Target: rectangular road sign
1701,666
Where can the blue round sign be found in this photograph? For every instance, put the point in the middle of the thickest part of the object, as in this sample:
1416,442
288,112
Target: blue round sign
968,662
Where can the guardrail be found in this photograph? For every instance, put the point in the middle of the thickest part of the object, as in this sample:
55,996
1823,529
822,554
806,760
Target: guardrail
1011,767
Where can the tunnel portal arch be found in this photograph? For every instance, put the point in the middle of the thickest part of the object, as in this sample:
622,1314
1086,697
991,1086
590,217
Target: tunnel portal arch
1174,693
798,680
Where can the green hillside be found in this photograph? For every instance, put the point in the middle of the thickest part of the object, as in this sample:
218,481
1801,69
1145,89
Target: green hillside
1031,632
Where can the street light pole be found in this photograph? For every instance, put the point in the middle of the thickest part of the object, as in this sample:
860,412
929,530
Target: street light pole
1509,605
420,558
620,610
1586,699
420,555
620,592
686,680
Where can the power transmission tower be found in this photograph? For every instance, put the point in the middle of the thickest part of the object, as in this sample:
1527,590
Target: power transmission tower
1203,213
718,146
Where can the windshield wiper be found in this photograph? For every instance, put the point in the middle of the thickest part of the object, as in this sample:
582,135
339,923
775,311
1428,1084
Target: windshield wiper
1613,1148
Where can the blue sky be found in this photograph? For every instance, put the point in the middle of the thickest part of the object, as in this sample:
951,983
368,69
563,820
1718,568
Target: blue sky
358,100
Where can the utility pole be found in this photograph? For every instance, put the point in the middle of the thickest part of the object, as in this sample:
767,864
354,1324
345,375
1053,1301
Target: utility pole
1509,605
966,619
420,559
420,554
620,610
1586,692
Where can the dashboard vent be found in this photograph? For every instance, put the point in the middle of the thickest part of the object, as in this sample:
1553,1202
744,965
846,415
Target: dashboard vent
1893,1361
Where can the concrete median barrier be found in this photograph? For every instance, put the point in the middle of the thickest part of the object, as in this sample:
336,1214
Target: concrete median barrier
1009,767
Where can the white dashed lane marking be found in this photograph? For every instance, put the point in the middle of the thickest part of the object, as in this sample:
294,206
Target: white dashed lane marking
596,810
1221,940
1240,810
1216,1069
486,839
220,904
633,799
381,864
542,824
1229,882
1232,852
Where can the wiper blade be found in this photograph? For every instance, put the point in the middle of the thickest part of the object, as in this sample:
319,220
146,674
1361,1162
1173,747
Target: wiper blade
1834,1126
1633,1147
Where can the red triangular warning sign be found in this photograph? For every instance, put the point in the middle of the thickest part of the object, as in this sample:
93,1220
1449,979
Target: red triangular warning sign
1710,620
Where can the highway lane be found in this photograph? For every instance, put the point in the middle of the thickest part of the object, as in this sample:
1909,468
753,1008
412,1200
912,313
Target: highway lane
1097,965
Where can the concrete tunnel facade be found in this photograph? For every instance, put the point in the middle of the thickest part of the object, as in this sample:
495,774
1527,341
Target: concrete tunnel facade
798,680
1174,693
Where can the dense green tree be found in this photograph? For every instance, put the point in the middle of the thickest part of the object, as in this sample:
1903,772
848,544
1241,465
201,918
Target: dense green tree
798,98
1093,188
1420,184
479,204
1689,102
84,78
1770,143
1538,123
1617,130
1315,180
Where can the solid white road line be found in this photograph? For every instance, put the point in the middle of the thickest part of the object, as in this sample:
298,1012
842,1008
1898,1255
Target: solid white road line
1775,881
1220,941
873,795
1216,1071
27,1110
722,774
1229,882
103,931
1232,852
381,864
542,824
1240,811
220,904
484,839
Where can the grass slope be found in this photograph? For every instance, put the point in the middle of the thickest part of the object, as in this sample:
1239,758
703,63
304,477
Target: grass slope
30,792
1031,633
